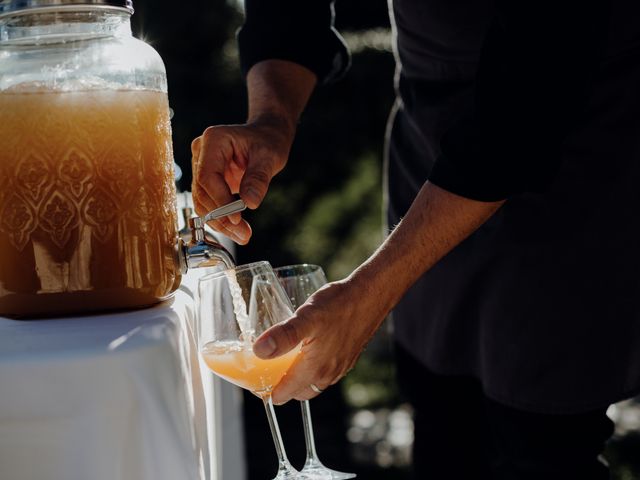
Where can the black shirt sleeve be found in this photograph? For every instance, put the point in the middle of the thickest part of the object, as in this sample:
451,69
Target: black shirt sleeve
300,31
535,67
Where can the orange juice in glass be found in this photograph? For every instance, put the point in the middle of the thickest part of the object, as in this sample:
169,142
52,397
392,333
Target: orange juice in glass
236,363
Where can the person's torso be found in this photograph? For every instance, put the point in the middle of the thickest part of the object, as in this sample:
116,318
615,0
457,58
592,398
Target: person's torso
442,39
542,302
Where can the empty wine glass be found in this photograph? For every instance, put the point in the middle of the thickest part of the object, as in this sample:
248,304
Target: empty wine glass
235,307
300,281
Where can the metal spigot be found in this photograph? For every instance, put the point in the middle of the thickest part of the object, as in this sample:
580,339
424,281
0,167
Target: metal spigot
185,233
203,250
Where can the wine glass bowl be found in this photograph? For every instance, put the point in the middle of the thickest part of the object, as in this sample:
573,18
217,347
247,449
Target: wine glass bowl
238,365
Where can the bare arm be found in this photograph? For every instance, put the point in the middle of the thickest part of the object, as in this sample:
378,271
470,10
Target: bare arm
279,90
436,223
339,320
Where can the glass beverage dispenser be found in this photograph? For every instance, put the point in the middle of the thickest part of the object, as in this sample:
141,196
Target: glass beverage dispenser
87,193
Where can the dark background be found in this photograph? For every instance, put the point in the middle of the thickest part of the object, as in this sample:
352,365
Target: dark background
324,208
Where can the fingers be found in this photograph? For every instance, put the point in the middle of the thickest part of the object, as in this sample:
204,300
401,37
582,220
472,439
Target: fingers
282,337
255,183
235,159
302,377
313,366
216,152
239,233
216,176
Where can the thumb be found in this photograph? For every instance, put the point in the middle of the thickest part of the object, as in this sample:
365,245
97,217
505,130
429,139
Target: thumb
281,338
255,183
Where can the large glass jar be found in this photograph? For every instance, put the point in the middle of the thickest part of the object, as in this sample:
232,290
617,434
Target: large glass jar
87,192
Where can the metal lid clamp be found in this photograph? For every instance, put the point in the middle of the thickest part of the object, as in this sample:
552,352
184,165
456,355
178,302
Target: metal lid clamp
16,7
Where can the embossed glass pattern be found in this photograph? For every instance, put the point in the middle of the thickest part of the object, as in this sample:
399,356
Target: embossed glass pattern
87,194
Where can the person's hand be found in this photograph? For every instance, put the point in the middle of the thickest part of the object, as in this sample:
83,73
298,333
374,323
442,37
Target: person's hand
334,326
237,159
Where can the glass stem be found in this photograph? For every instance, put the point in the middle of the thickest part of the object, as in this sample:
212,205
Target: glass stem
283,461
308,431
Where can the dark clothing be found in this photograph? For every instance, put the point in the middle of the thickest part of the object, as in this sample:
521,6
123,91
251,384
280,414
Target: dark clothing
542,303
537,102
301,32
467,435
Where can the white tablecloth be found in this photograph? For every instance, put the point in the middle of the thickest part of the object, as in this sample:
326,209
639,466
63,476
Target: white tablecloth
114,397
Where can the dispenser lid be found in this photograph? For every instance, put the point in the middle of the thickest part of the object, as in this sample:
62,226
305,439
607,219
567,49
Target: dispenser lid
19,6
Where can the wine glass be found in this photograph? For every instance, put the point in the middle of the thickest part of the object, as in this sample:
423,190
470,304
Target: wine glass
235,307
300,281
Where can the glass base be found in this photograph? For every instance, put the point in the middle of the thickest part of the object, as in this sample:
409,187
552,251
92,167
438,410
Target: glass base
317,471
293,474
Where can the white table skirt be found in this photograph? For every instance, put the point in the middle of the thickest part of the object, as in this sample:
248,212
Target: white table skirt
114,397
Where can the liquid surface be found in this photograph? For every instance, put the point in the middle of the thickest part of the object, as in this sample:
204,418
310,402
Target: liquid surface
236,363
87,201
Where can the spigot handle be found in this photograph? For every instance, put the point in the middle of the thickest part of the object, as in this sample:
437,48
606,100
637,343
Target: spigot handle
225,210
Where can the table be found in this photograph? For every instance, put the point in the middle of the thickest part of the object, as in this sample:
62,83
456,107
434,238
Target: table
120,396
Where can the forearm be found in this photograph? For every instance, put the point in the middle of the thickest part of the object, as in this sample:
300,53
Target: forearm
338,320
278,91
436,223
